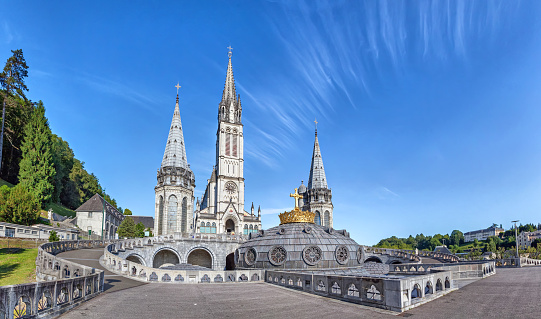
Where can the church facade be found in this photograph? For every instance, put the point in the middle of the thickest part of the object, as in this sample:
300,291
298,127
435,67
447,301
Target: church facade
176,182
317,197
221,209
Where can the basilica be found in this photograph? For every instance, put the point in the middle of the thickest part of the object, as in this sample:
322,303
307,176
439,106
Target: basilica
221,209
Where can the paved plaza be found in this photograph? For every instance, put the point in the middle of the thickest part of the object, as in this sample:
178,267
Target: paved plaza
511,293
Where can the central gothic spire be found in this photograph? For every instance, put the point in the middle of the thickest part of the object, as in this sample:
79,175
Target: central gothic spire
175,152
230,109
317,177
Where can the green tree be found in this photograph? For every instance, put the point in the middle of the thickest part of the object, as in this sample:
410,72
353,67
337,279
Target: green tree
457,237
53,236
475,242
140,230
5,213
18,205
37,168
63,163
127,211
14,114
536,242
127,228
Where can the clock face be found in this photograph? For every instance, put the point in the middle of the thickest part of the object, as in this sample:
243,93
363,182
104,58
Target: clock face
230,188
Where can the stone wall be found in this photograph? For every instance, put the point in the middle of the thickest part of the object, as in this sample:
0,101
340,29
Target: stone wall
64,284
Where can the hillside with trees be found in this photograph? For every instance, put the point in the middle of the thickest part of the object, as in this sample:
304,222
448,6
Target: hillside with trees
40,164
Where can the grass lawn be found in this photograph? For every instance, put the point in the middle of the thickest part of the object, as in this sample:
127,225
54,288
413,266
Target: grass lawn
17,266
59,209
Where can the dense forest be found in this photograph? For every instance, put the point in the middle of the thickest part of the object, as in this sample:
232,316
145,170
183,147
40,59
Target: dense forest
41,164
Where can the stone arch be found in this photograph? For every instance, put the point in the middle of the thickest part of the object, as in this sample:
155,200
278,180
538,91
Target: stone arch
327,218
160,216
165,255
428,288
373,259
317,219
200,256
230,225
439,286
447,283
395,262
111,232
136,258
184,220
416,292
172,207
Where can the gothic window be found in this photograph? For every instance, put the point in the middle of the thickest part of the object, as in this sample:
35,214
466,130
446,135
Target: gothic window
251,228
447,283
207,229
353,291
374,294
321,286
428,289
202,227
416,292
227,144
336,288
317,219
184,221
172,214
160,217
234,146
213,228
256,229
327,219
245,229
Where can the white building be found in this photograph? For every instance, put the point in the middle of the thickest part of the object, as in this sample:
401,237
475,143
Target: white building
37,231
482,234
97,216
526,238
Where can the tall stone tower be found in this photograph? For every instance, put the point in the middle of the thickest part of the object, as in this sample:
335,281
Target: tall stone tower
176,182
317,197
221,209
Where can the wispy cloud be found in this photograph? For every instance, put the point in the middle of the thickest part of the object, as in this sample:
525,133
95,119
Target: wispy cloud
7,33
385,193
121,90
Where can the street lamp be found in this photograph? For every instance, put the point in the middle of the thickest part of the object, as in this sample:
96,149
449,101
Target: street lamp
516,236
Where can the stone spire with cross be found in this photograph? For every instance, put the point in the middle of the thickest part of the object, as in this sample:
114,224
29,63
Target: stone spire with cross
317,177
230,108
175,152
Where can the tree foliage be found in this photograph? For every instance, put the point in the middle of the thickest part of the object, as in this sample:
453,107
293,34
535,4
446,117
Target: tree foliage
14,73
18,205
139,230
37,168
53,236
127,228
127,212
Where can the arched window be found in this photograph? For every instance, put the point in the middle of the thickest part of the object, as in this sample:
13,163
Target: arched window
256,228
172,214
207,229
234,145
317,219
447,283
184,221
327,219
213,228
245,229
251,228
416,292
428,289
227,144
439,286
160,216
202,227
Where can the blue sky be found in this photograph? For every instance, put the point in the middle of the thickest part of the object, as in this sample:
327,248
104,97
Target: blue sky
428,111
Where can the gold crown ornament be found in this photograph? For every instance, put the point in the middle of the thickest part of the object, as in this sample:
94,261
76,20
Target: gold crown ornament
296,215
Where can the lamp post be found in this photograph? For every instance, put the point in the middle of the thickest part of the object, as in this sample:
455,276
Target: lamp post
516,236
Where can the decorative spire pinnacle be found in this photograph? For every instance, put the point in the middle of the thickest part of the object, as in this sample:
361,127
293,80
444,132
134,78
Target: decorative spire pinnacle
175,152
315,121
317,177
178,87
230,108
230,53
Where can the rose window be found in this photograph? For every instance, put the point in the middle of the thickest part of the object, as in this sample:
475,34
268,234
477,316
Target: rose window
251,256
312,255
342,254
277,255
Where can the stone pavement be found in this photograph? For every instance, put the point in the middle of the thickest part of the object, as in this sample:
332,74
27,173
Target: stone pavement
511,293
90,257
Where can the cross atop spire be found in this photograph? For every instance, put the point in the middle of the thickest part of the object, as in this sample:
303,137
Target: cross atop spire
230,53
178,87
315,121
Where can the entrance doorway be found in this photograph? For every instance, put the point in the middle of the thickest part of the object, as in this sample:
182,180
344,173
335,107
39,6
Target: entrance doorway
230,262
230,226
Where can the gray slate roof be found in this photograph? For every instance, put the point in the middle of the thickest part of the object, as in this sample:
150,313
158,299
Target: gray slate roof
148,221
96,203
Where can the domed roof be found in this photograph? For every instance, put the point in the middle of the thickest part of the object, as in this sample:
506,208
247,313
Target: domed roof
298,246
302,188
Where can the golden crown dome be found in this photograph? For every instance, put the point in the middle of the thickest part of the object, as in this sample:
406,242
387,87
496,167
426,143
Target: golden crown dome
296,215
